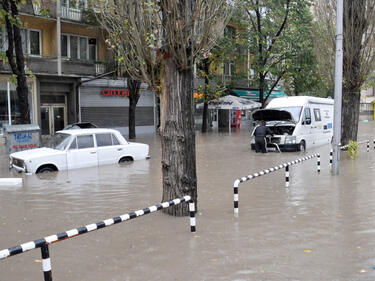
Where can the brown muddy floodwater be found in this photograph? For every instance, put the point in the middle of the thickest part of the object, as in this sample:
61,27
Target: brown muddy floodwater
321,228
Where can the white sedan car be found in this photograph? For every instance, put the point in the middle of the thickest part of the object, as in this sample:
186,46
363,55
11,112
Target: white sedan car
73,149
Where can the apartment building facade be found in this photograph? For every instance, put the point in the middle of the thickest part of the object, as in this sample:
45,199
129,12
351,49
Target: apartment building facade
66,53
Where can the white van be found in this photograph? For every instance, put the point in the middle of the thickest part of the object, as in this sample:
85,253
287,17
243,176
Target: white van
297,122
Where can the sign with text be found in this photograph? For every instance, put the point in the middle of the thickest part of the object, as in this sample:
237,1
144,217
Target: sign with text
115,93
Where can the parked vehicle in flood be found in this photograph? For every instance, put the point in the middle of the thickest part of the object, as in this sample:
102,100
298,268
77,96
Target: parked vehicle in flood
297,123
73,149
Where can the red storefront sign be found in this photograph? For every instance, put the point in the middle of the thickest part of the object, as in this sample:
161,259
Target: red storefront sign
23,146
115,93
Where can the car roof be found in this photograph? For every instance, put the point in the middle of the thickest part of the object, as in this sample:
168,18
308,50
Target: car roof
76,132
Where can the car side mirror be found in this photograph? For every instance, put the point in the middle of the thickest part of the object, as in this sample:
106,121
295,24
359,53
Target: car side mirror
308,121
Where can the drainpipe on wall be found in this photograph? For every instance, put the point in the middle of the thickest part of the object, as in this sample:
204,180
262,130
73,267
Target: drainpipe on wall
58,36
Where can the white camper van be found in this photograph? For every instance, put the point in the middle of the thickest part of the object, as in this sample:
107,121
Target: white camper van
297,122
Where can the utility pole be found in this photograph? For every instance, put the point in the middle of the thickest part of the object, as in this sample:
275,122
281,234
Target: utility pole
338,88
58,35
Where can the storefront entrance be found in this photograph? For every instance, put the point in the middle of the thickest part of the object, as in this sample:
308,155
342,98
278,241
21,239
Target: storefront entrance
53,115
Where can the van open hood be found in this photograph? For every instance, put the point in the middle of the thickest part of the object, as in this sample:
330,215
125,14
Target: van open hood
272,115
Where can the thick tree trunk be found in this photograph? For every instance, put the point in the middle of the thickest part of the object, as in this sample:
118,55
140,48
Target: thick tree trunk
18,66
133,87
350,115
178,137
354,28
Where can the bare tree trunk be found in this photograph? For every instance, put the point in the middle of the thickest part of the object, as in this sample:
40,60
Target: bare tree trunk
350,115
205,116
18,66
205,105
261,91
178,136
134,94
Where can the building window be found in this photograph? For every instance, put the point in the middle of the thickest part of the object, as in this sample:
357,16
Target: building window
73,47
31,41
229,68
83,47
78,47
8,104
92,49
64,45
34,42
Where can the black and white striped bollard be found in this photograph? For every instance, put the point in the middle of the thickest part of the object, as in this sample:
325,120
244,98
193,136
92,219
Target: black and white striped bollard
374,144
368,146
287,176
235,196
318,163
46,263
192,216
331,158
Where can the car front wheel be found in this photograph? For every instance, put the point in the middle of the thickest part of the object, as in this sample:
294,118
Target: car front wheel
46,169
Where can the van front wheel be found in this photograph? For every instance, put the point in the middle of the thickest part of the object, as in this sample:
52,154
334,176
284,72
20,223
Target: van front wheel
302,146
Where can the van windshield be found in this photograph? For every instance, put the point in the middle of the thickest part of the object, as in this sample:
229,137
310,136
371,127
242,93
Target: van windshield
295,111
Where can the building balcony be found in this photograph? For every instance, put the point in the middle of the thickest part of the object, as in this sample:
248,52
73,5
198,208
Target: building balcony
48,9
71,14
48,65
36,8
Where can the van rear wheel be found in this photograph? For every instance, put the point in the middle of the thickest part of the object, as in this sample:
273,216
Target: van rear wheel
301,146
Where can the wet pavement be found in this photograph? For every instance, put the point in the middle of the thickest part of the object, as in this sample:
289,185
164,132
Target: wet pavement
321,228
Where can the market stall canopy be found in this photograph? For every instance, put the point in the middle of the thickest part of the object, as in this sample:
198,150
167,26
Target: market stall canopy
231,102
254,95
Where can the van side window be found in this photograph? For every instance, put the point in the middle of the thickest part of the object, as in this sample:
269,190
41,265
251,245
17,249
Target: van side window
317,114
307,117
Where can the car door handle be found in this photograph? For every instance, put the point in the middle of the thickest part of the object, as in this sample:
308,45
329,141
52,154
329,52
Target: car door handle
92,152
119,149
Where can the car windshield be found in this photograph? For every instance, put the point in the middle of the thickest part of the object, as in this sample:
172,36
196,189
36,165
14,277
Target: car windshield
295,111
58,141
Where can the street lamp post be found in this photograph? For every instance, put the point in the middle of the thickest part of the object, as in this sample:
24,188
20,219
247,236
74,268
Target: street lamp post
338,88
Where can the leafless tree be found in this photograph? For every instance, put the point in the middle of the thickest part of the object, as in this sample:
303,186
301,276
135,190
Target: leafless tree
359,56
159,41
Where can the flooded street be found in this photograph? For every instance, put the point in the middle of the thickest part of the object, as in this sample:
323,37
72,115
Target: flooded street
321,228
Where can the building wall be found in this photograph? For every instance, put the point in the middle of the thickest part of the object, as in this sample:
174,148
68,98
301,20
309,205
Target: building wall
48,28
82,30
113,111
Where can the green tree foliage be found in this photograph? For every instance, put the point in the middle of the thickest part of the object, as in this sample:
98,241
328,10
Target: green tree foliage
232,49
277,34
302,77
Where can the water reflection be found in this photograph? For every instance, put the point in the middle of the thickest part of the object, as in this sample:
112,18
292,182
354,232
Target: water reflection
329,216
